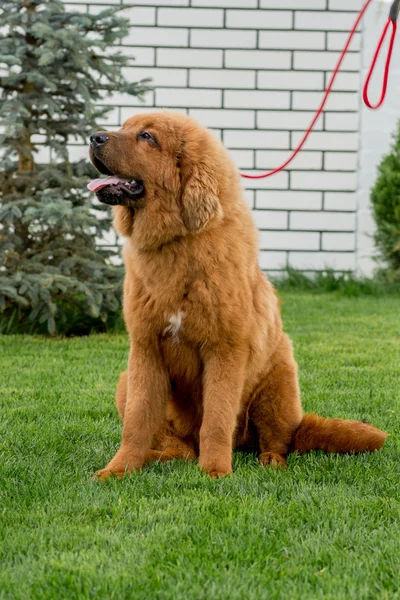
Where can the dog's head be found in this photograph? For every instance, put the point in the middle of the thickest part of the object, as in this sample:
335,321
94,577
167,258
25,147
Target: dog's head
166,176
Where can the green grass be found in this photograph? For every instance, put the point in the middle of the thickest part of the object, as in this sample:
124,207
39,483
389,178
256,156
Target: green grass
328,527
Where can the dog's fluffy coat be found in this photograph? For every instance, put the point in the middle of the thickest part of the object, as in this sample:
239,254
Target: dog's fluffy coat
210,367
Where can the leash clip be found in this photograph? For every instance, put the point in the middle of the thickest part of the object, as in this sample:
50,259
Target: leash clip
394,10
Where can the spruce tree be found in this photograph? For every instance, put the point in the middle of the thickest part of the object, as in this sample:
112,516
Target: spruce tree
56,68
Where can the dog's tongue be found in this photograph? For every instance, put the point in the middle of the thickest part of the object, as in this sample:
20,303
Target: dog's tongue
97,184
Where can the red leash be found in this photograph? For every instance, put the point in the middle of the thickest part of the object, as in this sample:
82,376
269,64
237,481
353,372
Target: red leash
387,66
392,20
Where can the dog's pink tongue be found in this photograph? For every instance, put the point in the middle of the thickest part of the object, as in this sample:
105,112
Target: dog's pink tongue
97,184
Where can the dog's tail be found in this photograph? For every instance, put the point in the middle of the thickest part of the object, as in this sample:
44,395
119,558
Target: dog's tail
336,435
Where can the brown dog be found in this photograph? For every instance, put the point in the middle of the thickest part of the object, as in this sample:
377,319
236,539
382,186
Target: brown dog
209,366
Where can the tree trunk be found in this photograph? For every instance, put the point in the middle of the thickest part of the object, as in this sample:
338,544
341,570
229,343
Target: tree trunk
25,157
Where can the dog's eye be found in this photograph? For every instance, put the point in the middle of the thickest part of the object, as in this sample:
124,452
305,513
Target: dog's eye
145,135
149,138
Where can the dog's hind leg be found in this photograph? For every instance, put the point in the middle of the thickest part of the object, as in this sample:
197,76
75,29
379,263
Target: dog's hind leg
182,453
167,445
276,408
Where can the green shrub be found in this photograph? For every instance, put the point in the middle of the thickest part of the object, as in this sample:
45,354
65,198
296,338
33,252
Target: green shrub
344,284
385,198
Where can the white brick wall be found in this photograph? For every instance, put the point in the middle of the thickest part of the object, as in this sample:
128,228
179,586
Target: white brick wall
341,122
324,21
289,240
337,101
319,261
160,77
226,3
289,200
273,219
345,4
328,141
288,119
319,221
336,41
169,57
257,59
235,138
256,99
338,241
139,15
180,97
259,19
223,38
282,80
340,201
306,161
292,40
190,17
157,36
323,180
226,119
254,72
227,78
340,161
313,4
272,260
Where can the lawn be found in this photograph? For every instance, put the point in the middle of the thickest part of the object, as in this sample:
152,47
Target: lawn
327,527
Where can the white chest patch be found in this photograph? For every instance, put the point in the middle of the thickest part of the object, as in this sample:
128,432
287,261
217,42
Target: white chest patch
175,326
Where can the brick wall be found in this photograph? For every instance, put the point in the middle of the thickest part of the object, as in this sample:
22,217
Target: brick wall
254,72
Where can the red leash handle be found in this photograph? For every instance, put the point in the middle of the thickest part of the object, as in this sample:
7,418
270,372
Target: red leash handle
394,13
387,66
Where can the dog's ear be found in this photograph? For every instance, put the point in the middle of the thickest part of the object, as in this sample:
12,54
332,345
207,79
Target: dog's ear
199,196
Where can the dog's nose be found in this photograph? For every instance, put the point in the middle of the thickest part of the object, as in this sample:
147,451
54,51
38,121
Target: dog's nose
98,139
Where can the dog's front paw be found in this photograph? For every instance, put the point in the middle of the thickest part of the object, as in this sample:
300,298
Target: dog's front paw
123,463
106,473
215,468
217,474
